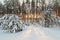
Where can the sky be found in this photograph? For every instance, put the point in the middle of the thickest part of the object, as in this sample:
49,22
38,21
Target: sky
1,1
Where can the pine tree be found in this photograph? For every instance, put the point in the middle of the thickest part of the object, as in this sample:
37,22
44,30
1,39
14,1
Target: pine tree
11,23
17,5
56,6
28,1
49,10
27,6
2,8
47,16
33,6
6,6
12,6
23,8
37,6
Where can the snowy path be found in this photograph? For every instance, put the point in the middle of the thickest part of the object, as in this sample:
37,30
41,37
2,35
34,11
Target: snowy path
33,33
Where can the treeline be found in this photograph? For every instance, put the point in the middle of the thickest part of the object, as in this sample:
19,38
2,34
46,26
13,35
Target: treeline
34,6
15,7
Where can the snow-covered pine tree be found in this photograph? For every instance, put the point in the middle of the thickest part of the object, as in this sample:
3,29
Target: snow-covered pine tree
11,23
12,6
47,15
51,20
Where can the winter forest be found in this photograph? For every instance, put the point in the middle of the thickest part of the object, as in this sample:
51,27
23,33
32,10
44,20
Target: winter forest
30,20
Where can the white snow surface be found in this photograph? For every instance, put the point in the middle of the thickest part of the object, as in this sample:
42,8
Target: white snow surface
33,33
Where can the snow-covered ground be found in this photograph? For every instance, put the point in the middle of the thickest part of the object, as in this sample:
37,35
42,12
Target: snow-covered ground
33,33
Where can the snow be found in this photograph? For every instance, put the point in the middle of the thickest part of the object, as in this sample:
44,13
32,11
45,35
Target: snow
33,33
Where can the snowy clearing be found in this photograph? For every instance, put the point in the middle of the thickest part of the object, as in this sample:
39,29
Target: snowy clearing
33,33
